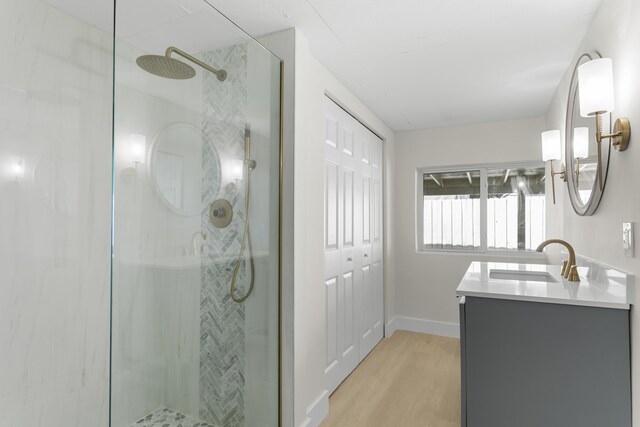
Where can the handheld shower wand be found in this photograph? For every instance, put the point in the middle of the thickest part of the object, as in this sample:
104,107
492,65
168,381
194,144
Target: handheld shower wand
249,165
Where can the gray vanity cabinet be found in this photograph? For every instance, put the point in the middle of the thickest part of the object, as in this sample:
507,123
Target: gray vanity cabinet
531,364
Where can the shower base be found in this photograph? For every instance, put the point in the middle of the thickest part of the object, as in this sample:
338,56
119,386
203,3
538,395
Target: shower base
165,417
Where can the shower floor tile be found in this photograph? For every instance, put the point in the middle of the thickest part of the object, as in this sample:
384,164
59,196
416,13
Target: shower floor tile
164,417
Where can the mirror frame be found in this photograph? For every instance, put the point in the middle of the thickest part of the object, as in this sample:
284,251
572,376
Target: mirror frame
151,169
580,208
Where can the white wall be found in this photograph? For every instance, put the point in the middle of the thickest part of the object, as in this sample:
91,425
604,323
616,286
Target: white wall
426,282
310,83
615,34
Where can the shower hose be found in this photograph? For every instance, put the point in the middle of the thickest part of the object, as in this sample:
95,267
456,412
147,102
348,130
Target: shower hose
246,241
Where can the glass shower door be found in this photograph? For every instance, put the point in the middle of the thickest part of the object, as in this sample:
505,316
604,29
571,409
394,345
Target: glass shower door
195,284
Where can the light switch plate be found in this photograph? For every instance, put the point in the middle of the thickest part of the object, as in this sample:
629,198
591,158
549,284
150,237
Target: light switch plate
627,239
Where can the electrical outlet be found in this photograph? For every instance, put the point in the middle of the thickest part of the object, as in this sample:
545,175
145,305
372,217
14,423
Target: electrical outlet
627,239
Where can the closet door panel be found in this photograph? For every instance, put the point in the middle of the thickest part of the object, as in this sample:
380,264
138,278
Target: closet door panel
365,299
332,245
353,242
340,189
349,344
347,303
377,238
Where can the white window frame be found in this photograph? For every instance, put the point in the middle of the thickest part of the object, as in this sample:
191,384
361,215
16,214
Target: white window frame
483,249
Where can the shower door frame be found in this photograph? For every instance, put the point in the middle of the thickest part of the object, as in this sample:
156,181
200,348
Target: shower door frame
280,207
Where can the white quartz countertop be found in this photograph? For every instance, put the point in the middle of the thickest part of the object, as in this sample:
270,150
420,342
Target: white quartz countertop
598,286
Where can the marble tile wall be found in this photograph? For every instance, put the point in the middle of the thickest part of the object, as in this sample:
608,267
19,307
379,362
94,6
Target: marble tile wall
156,274
55,216
55,186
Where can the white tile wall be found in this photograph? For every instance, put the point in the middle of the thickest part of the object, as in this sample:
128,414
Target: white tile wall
55,115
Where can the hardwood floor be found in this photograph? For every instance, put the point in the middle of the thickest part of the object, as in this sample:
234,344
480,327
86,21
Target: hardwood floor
408,380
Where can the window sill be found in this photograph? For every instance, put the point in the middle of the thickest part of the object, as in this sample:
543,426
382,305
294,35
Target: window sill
486,254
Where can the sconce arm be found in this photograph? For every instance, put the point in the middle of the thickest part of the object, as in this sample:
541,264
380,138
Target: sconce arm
562,174
619,139
599,137
611,135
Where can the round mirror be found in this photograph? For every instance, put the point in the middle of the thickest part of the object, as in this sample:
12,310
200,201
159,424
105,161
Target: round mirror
585,181
175,168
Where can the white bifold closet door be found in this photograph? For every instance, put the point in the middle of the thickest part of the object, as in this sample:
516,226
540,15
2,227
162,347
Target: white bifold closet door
353,242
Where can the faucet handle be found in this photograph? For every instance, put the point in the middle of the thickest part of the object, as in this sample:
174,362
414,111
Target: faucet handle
565,268
573,274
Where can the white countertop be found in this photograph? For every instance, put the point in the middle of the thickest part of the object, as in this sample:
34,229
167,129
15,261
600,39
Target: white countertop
598,286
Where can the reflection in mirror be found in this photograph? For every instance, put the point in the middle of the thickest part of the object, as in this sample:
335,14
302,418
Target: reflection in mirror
582,150
515,208
175,168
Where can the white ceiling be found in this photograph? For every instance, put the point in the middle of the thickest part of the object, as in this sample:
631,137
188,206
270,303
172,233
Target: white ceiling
434,63
153,25
415,63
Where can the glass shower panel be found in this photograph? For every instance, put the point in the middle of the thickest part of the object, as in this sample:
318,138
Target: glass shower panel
195,286
55,212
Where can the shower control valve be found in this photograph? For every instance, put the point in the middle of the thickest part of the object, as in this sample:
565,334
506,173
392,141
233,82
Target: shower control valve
220,213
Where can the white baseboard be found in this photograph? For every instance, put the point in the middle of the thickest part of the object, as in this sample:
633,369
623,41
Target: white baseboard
317,411
432,327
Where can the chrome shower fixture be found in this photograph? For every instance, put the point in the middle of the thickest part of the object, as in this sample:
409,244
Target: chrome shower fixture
171,68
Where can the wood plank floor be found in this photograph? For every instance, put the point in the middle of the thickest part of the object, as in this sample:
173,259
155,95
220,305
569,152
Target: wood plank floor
408,380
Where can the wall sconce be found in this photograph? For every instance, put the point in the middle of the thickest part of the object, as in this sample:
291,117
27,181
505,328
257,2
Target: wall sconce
232,173
17,169
135,152
137,148
551,149
232,170
580,146
595,82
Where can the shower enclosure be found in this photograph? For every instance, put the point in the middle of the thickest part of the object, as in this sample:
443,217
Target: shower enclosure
196,198
139,217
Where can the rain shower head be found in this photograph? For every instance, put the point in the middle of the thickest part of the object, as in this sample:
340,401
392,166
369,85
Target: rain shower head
166,67
170,68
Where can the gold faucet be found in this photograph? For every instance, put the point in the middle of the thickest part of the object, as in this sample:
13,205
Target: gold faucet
569,269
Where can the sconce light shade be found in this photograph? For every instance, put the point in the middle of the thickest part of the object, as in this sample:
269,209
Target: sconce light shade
595,82
137,147
551,145
232,170
581,143
17,169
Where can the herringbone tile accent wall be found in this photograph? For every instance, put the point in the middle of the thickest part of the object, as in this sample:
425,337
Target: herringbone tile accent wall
222,321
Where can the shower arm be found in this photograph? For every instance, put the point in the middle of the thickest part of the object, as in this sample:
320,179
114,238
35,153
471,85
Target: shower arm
222,74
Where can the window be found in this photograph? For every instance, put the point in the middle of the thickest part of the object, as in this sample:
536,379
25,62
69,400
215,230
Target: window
493,208
451,210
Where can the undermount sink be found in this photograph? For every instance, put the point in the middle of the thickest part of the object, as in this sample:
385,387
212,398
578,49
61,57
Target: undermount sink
529,276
